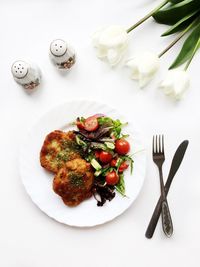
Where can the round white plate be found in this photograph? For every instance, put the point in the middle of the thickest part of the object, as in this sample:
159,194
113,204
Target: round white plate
38,182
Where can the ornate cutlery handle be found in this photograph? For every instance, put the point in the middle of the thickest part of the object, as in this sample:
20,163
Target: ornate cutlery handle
166,219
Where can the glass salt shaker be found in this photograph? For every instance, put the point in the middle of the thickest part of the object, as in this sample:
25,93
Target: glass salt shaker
26,74
62,54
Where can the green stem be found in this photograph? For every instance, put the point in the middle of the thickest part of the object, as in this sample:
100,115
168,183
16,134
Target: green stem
172,44
147,16
193,54
177,39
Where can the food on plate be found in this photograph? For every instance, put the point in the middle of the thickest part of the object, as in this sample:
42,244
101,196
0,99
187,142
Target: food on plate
106,149
105,156
90,160
58,148
74,182
122,146
112,178
91,124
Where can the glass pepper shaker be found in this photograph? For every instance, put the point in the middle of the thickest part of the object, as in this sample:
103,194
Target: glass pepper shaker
26,74
61,54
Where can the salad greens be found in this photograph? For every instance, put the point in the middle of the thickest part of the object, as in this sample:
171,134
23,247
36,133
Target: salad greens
106,148
120,187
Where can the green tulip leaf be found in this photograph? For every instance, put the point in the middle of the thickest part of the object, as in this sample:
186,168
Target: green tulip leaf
190,46
175,12
183,23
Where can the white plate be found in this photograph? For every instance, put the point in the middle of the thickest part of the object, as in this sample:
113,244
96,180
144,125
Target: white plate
38,182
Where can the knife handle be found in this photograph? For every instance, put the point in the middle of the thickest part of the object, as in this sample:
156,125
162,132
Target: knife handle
156,214
166,219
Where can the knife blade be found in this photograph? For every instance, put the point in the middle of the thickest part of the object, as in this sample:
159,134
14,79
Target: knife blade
176,162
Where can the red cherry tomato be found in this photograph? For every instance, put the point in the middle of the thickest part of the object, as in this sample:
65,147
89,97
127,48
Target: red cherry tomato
122,146
91,124
80,125
112,178
97,154
123,166
105,157
113,163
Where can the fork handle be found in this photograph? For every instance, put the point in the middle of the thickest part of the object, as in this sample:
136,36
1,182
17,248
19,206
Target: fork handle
156,214
166,219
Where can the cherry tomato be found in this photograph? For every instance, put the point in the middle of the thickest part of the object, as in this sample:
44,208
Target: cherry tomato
123,166
80,125
112,178
113,163
91,124
105,157
97,154
122,146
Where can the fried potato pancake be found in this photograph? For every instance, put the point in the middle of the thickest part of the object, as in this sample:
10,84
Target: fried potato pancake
58,148
74,181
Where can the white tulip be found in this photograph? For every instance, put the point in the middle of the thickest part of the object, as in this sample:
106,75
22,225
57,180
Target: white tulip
111,43
144,66
175,83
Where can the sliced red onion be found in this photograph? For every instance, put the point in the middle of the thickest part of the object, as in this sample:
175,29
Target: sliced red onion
99,115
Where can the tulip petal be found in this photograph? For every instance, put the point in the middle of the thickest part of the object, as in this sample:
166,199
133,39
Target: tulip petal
143,67
101,52
134,69
135,74
113,36
95,37
144,80
111,43
175,83
113,56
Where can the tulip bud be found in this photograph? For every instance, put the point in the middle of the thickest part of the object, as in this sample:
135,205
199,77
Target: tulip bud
111,43
175,83
143,67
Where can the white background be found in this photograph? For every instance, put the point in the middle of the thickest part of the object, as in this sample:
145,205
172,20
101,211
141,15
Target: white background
28,238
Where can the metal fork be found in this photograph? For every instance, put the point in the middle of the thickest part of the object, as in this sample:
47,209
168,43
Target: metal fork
159,158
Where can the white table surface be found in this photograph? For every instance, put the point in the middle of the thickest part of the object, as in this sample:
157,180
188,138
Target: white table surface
28,238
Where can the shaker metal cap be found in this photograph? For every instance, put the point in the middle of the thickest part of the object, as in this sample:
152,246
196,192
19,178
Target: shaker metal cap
58,47
19,69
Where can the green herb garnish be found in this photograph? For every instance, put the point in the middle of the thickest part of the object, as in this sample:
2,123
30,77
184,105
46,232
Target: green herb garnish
120,187
76,179
128,158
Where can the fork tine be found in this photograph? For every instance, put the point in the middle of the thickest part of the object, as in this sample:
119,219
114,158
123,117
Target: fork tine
153,145
163,144
159,146
156,144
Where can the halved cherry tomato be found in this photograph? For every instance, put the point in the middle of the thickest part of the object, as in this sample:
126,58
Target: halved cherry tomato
112,178
91,124
105,157
123,166
97,154
80,125
122,146
113,163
